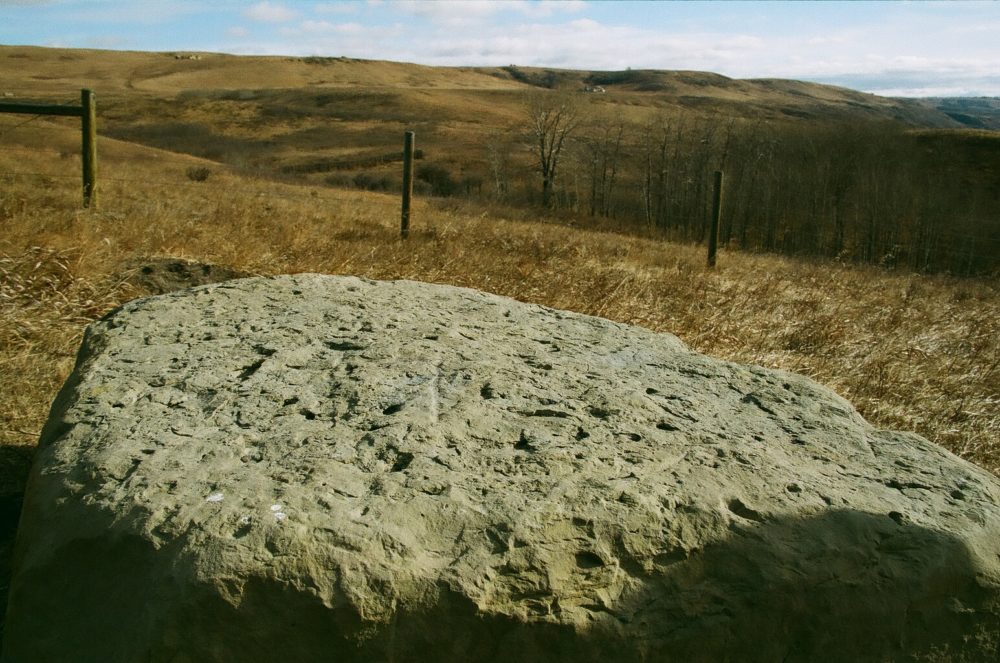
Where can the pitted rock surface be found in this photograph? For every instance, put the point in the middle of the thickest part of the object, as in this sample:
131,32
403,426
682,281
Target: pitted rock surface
315,468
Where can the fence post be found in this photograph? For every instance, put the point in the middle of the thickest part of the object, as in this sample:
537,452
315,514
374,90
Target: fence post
404,229
713,233
89,147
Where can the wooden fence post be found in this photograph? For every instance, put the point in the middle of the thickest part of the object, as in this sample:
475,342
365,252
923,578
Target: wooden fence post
89,147
87,112
404,229
713,233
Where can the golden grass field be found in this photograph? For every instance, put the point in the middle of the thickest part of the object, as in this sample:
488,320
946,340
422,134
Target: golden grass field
912,352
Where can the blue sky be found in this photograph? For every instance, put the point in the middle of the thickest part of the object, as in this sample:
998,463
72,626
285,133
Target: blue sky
892,48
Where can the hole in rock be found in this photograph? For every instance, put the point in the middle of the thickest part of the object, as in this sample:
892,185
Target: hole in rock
393,409
248,371
588,560
343,345
737,507
601,412
548,413
403,461
524,443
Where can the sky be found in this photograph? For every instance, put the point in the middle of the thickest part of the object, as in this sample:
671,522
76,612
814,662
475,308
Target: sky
899,48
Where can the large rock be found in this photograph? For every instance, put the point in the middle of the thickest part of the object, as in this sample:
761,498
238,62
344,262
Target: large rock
315,468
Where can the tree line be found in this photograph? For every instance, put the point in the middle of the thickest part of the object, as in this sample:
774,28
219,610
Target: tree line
875,192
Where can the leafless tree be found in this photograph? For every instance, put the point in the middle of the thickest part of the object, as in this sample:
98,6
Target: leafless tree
602,150
552,117
498,156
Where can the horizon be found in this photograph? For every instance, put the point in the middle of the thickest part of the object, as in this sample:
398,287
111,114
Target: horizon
900,49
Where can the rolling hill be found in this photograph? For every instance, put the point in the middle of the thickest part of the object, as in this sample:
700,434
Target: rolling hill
208,167
811,169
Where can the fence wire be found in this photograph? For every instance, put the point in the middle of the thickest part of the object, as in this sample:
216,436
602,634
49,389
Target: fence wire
9,129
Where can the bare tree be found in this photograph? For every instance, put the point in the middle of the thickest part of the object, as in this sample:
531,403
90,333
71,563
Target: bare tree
602,150
552,117
498,155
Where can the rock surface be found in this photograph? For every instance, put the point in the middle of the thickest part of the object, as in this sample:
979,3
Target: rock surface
317,468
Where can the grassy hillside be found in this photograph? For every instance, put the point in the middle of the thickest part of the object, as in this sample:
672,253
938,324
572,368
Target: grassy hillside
912,352
971,112
811,170
271,134
269,113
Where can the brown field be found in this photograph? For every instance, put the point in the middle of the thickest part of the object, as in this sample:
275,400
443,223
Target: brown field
264,113
912,352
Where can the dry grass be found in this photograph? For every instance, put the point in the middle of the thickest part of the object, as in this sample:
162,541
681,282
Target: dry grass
912,352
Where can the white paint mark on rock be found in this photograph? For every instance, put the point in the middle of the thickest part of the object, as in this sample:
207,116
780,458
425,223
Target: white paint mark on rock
214,497
275,507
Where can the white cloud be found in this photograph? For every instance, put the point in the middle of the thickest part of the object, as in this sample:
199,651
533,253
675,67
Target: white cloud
574,44
585,24
270,12
318,28
458,12
864,56
546,8
908,49
310,26
451,12
352,39
337,8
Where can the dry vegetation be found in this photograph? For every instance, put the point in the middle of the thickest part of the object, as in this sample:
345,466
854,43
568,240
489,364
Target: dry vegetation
913,352
811,170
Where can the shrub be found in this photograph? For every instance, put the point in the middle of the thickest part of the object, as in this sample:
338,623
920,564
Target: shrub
438,178
339,179
375,182
198,173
